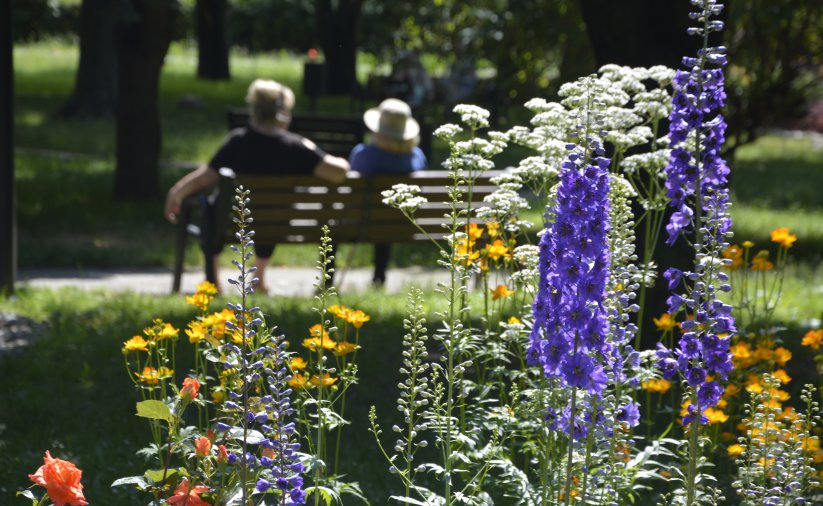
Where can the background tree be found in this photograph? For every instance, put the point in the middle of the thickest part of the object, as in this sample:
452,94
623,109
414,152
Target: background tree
95,87
142,42
337,26
212,40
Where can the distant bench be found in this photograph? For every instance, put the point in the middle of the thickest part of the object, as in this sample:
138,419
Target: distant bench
292,209
334,134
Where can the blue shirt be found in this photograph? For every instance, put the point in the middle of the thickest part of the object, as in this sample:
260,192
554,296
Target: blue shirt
369,159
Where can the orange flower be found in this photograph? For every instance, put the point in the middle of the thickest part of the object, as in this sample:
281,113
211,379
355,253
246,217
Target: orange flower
222,454
735,451
735,254
190,496
781,356
782,237
813,339
344,348
657,385
297,363
207,288
500,291
61,479
202,446
761,261
299,382
357,318
137,343
190,388
327,380
474,231
199,300
498,250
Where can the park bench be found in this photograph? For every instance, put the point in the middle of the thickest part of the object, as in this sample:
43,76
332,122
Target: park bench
292,209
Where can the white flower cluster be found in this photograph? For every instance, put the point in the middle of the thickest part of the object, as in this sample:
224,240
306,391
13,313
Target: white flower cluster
527,256
653,162
404,197
475,117
447,132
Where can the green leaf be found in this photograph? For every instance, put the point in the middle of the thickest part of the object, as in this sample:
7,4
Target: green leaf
139,481
28,494
328,495
156,475
156,410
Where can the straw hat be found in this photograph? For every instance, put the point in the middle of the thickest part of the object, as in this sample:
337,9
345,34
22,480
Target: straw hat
392,119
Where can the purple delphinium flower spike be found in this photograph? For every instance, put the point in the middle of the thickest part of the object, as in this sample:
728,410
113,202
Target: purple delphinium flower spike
697,180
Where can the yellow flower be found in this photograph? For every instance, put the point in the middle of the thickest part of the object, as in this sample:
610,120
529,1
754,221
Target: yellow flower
735,254
498,250
788,414
199,300
196,332
318,329
741,355
327,380
656,385
734,451
782,237
500,291
761,262
464,252
314,343
781,375
207,288
731,390
160,331
339,311
343,348
665,323
136,343
716,415
357,318
474,231
299,382
513,320
748,244
813,339
164,372
218,395
493,229
781,356
297,363
149,376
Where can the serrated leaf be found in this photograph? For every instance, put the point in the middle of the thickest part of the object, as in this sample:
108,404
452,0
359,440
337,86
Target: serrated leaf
131,480
156,410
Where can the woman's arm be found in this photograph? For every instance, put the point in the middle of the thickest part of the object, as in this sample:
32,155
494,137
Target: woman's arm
201,179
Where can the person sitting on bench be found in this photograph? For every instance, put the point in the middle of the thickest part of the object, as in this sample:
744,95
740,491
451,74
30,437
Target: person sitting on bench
264,147
392,150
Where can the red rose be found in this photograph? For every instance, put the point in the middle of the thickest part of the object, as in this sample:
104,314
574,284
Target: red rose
61,479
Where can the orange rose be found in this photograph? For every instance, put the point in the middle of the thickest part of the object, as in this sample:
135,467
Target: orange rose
190,388
190,496
202,446
61,479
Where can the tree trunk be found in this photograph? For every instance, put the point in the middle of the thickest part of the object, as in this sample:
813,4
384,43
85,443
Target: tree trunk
212,44
639,32
95,87
142,43
337,23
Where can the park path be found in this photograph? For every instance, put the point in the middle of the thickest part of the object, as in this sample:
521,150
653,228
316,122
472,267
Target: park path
282,281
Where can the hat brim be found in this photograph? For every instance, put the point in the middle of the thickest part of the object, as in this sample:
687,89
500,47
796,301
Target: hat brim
372,120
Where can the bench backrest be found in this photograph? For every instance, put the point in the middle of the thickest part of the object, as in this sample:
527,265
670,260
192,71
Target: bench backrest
335,134
294,208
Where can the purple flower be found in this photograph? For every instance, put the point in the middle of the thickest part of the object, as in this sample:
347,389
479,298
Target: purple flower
629,414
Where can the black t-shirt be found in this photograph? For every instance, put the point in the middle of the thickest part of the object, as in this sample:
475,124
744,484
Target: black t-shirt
247,151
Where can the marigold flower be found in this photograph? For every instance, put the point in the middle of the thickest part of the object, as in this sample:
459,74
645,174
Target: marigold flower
190,496
735,254
297,363
202,446
199,300
190,388
299,382
666,322
207,288
474,231
498,250
500,291
781,356
357,318
327,380
734,451
782,237
196,332
656,385
343,348
136,343
761,262
813,339
61,480
339,311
